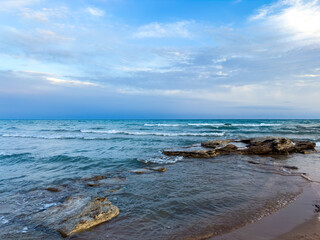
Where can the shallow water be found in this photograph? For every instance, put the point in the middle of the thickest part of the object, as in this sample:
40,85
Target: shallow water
194,198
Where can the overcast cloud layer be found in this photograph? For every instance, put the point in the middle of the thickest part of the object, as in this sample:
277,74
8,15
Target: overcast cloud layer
148,59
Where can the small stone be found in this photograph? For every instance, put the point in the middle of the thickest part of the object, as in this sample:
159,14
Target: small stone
52,189
92,184
159,169
141,171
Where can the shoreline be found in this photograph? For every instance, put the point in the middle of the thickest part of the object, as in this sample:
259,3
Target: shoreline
297,220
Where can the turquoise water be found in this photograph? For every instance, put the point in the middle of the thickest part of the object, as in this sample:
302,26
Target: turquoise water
193,198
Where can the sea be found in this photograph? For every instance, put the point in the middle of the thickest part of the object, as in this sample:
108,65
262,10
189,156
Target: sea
192,199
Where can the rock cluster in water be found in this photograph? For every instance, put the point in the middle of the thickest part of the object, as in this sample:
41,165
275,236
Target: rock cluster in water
77,214
253,146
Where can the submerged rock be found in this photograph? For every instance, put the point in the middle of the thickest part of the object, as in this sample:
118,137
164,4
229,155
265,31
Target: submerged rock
149,170
141,171
52,189
96,178
159,169
269,146
77,214
92,184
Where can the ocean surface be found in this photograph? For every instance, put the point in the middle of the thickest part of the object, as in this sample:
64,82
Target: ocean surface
193,199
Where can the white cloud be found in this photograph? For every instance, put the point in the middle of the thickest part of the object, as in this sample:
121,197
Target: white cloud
162,30
298,19
43,14
59,81
13,5
95,12
48,35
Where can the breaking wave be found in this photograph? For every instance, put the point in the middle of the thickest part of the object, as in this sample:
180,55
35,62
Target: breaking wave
154,133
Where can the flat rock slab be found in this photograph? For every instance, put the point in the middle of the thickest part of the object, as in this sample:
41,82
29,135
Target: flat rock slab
77,214
149,170
268,146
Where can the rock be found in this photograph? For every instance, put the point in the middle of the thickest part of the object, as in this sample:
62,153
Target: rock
227,150
317,210
92,184
268,146
141,171
290,167
253,162
159,169
52,189
95,178
215,143
304,145
77,214
191,153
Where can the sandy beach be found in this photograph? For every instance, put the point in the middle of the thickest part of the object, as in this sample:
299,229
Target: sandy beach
298,220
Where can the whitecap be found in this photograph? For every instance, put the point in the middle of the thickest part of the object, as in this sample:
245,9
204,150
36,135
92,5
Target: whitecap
155,133
162,160
205,124
3,220
161,125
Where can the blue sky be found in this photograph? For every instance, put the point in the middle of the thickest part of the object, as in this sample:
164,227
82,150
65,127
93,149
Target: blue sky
159,59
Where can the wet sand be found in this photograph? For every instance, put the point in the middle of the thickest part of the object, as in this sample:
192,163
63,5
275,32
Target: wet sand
310,230
298,220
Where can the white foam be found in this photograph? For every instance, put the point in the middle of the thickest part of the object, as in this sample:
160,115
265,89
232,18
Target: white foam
162,160
154,133
3,220
255,124
205,124
48,205
162,125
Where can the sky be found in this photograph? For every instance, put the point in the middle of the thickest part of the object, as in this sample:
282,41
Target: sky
93,59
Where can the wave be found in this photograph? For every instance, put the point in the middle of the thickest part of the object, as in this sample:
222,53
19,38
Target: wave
56,137
162,125
58,130
206,124
161,160
154,133
5,155
235,124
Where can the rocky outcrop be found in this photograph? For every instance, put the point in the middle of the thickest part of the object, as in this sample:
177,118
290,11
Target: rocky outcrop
269,145
191,153
254,146
215,143
77,214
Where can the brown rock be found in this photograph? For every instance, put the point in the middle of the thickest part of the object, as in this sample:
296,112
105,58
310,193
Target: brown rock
268,146
52,189
159,169
304,146
95,178
227,150
215,143
92,184
255,146
77,214
141,171
191,153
